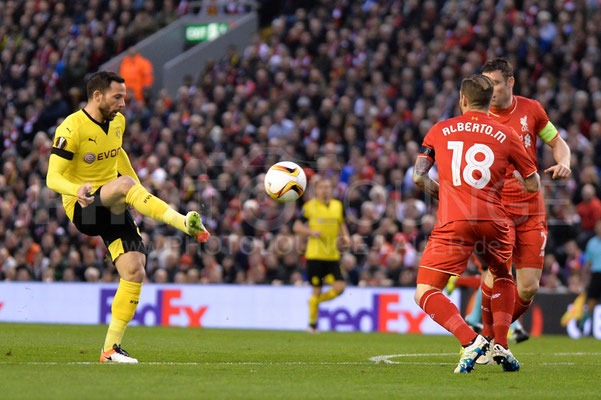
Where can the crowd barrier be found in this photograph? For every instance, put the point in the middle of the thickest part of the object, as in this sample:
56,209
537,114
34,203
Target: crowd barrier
219,306
259,307
545,315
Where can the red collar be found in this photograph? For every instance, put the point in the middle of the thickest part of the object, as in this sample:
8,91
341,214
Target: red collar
506,111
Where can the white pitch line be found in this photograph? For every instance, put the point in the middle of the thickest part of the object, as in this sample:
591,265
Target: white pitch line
247,363
386,359
565,363
187,363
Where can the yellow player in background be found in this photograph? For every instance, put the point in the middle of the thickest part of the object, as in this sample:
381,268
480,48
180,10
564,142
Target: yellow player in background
322,220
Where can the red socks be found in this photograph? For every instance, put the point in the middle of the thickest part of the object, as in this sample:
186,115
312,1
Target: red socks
441,310
502,304
468,281
521,305
487,321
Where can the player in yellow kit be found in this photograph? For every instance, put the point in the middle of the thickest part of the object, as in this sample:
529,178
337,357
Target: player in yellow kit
322,219
97,182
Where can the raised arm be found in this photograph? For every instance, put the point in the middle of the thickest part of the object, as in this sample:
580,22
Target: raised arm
421,178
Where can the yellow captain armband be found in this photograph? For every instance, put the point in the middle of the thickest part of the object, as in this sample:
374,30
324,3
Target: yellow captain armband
548,133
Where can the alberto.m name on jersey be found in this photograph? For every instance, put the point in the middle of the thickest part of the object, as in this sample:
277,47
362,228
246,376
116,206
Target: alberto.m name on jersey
475,128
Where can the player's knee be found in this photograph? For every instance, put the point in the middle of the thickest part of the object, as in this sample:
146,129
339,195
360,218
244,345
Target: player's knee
125,183
528,289
417,297
339,287
135,271
419,292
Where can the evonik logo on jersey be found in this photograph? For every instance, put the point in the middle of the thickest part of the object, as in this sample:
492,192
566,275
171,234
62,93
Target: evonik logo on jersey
164,311
105,155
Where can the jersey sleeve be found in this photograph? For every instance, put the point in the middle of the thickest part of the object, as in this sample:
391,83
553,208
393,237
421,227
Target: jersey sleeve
66,141
427,149
543,127
518,155
64,147
303,214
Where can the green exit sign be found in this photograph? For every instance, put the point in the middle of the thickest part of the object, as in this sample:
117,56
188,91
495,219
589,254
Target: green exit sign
205,32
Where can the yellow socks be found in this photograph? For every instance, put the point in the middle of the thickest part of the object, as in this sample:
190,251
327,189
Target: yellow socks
329,295
155,208
175,219
314,304
313,309
114,333
123,310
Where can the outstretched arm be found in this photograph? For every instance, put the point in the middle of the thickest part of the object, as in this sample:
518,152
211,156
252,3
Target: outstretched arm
561,154
421,178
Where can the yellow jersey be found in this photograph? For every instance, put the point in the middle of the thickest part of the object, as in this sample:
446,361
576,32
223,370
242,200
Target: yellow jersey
86,151
327,219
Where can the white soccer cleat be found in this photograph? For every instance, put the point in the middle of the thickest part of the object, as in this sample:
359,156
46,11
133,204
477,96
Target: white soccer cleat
505,358
485,359
470,354
117,355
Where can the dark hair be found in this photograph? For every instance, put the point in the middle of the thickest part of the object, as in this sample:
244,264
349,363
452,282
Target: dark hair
499,64
101,81
478,89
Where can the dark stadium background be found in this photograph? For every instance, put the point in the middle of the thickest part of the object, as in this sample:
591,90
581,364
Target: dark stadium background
346,89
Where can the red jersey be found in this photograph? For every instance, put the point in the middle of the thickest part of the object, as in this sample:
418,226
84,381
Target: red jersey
530,121
472,152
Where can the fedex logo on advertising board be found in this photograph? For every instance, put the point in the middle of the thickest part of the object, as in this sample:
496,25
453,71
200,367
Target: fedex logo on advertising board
386,313
163,311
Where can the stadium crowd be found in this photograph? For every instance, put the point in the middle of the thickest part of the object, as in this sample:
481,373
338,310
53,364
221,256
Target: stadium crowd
347,90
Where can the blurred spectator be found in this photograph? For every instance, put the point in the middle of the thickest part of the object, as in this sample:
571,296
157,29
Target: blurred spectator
137,72
346,91
589,209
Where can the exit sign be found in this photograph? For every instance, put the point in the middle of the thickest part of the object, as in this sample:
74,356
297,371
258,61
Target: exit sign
205,32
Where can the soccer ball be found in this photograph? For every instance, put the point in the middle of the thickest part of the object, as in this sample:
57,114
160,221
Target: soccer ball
285,182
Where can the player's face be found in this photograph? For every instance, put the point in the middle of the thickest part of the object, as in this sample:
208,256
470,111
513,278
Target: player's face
323,190
503,90
112,101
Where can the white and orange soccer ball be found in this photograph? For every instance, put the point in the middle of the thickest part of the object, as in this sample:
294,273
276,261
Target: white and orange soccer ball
285,182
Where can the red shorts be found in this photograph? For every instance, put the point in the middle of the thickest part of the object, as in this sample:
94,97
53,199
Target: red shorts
530,238
451,245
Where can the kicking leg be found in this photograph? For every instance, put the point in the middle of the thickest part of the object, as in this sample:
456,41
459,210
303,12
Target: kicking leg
123,191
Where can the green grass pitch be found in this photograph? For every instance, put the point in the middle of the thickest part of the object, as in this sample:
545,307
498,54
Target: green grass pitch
61,362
